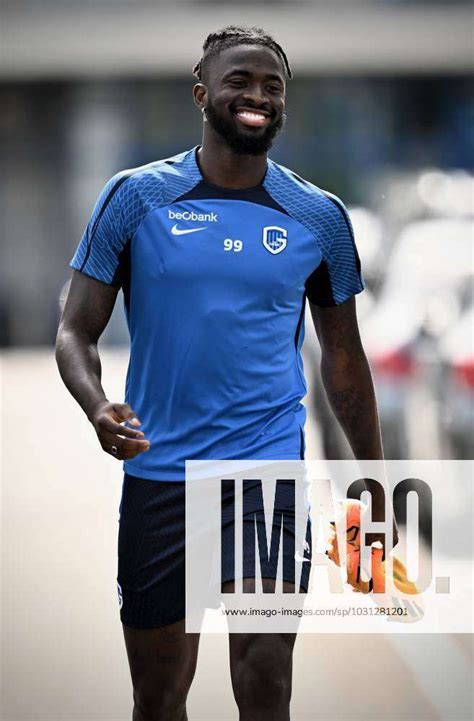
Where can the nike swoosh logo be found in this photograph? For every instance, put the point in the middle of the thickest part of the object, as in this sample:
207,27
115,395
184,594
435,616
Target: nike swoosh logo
184,231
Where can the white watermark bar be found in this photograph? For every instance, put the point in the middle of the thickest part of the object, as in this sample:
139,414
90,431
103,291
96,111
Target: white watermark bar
308,547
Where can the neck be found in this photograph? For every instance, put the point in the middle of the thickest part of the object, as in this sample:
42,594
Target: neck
222,166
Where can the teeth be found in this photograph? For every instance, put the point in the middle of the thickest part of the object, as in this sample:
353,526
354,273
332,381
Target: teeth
246,114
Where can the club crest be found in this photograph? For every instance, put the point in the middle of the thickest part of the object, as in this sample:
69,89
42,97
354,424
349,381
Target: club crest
274,239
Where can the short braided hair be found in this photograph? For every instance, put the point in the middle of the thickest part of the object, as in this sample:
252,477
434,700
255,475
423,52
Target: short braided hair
236,35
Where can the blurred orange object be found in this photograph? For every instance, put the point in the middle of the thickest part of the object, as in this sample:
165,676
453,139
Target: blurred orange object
398,607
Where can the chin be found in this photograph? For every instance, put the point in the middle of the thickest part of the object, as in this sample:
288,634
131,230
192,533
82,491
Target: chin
254,141
250,149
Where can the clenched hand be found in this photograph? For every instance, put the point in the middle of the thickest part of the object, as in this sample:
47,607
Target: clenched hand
118,439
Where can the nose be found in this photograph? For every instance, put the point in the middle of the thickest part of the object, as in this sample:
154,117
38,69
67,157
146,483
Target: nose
255,94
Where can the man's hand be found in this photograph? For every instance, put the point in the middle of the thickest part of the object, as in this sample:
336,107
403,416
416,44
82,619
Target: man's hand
117,439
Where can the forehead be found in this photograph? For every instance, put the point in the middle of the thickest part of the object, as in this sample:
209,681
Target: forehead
256,59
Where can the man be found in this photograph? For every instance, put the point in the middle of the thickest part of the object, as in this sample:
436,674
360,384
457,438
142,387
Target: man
216,250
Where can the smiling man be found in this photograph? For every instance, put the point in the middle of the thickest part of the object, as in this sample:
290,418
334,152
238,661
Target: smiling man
216,250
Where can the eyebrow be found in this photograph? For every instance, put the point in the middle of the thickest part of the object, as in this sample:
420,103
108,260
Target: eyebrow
247,73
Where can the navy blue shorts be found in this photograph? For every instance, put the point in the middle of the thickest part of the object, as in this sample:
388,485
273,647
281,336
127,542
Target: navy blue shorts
151,550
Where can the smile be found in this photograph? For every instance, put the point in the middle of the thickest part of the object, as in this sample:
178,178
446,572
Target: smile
254,118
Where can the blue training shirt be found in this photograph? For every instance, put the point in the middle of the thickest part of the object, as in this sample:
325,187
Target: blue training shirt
214,283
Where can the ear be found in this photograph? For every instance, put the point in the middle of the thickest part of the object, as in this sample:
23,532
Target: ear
200,95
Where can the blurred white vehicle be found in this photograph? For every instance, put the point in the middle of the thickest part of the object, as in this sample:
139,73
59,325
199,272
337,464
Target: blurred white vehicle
457,410
369,235
430,267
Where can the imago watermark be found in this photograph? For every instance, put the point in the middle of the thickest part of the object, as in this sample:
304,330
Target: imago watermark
338,546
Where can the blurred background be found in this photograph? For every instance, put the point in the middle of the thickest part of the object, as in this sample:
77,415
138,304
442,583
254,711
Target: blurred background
381,113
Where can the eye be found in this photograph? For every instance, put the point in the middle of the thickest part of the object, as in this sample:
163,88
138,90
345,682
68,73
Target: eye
236,82
274,89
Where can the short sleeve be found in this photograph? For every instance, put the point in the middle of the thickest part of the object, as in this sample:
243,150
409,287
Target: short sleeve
338,277
102,246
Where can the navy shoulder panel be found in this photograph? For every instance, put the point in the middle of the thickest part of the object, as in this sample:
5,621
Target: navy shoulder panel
322,214
123,203
153,186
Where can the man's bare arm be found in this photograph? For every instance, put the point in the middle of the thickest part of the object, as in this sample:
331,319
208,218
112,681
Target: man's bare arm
347,378
348,383
86,313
